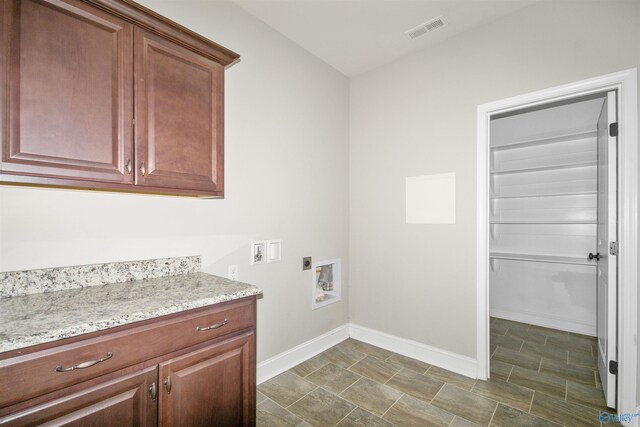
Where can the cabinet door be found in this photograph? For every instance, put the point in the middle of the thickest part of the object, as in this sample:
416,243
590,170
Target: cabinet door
179,117
124,401
213,386
66,93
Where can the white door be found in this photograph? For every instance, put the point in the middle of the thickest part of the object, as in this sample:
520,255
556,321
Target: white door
607,235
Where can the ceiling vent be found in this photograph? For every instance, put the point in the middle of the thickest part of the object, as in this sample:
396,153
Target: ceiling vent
425,28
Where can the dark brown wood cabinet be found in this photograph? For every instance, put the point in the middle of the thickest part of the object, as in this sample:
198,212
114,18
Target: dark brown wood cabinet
178,116
193,368
209,387
68,72
120,402
67,92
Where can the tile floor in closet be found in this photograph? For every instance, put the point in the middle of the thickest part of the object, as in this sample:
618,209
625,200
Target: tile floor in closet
539,377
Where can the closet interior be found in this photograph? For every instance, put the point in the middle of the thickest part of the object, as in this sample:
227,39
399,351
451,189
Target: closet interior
543,215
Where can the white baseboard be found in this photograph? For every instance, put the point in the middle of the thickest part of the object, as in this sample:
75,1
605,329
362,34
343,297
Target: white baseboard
545,321
298,354
441,358
444,359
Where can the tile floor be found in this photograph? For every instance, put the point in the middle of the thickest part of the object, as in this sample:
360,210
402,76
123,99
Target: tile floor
539,377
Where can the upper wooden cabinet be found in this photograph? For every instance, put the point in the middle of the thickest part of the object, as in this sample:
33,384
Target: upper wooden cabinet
68,95
69,72
178,113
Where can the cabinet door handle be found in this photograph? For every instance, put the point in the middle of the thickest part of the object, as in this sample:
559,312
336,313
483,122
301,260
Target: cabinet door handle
84,365
129,166
214,326
596,256
143,170
153,389
167,384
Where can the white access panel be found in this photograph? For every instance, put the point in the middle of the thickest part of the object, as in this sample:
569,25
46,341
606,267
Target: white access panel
431,199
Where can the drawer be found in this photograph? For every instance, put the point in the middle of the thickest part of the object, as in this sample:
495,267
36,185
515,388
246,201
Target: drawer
41,372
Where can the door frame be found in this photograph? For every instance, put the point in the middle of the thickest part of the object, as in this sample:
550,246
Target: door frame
625,82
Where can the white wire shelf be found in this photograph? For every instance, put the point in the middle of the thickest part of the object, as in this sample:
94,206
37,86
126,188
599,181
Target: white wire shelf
535,196
546,168
553,259
542,141
541,221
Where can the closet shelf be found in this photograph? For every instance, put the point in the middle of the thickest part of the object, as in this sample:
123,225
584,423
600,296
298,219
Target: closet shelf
541,221
534,196
553,259
546,168
542,141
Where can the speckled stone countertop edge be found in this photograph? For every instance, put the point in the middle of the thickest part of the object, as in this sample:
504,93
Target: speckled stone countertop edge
29,282
29,320
103,324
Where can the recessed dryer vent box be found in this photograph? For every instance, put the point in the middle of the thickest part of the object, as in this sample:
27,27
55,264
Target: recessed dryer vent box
326,283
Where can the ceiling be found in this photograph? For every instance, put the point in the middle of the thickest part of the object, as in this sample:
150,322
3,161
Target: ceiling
355,36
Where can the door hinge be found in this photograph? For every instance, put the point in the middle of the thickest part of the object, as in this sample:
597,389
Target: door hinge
613,129
613,367
613,248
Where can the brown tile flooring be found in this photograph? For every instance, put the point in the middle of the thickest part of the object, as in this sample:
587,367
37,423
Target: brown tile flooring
539,377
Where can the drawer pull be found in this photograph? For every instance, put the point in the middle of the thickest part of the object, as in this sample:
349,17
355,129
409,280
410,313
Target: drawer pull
214,326
84,365
167,384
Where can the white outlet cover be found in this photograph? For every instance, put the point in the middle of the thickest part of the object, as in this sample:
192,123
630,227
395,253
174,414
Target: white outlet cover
232,272
274,250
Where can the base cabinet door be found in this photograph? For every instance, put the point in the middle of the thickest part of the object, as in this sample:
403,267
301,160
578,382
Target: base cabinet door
126,401
213,386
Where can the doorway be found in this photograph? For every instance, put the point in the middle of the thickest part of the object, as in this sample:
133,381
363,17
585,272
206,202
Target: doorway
541,211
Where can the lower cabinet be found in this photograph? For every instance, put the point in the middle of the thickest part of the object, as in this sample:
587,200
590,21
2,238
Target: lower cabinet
121,402
209,387
207,380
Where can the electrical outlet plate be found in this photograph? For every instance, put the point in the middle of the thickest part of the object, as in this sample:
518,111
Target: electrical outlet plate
306,263
233,272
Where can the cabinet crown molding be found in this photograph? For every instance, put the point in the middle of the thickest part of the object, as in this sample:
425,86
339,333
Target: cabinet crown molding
156,23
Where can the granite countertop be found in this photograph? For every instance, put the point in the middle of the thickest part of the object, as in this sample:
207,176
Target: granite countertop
39,318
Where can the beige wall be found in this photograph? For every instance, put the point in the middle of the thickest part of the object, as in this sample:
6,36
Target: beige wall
286,177
417,116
